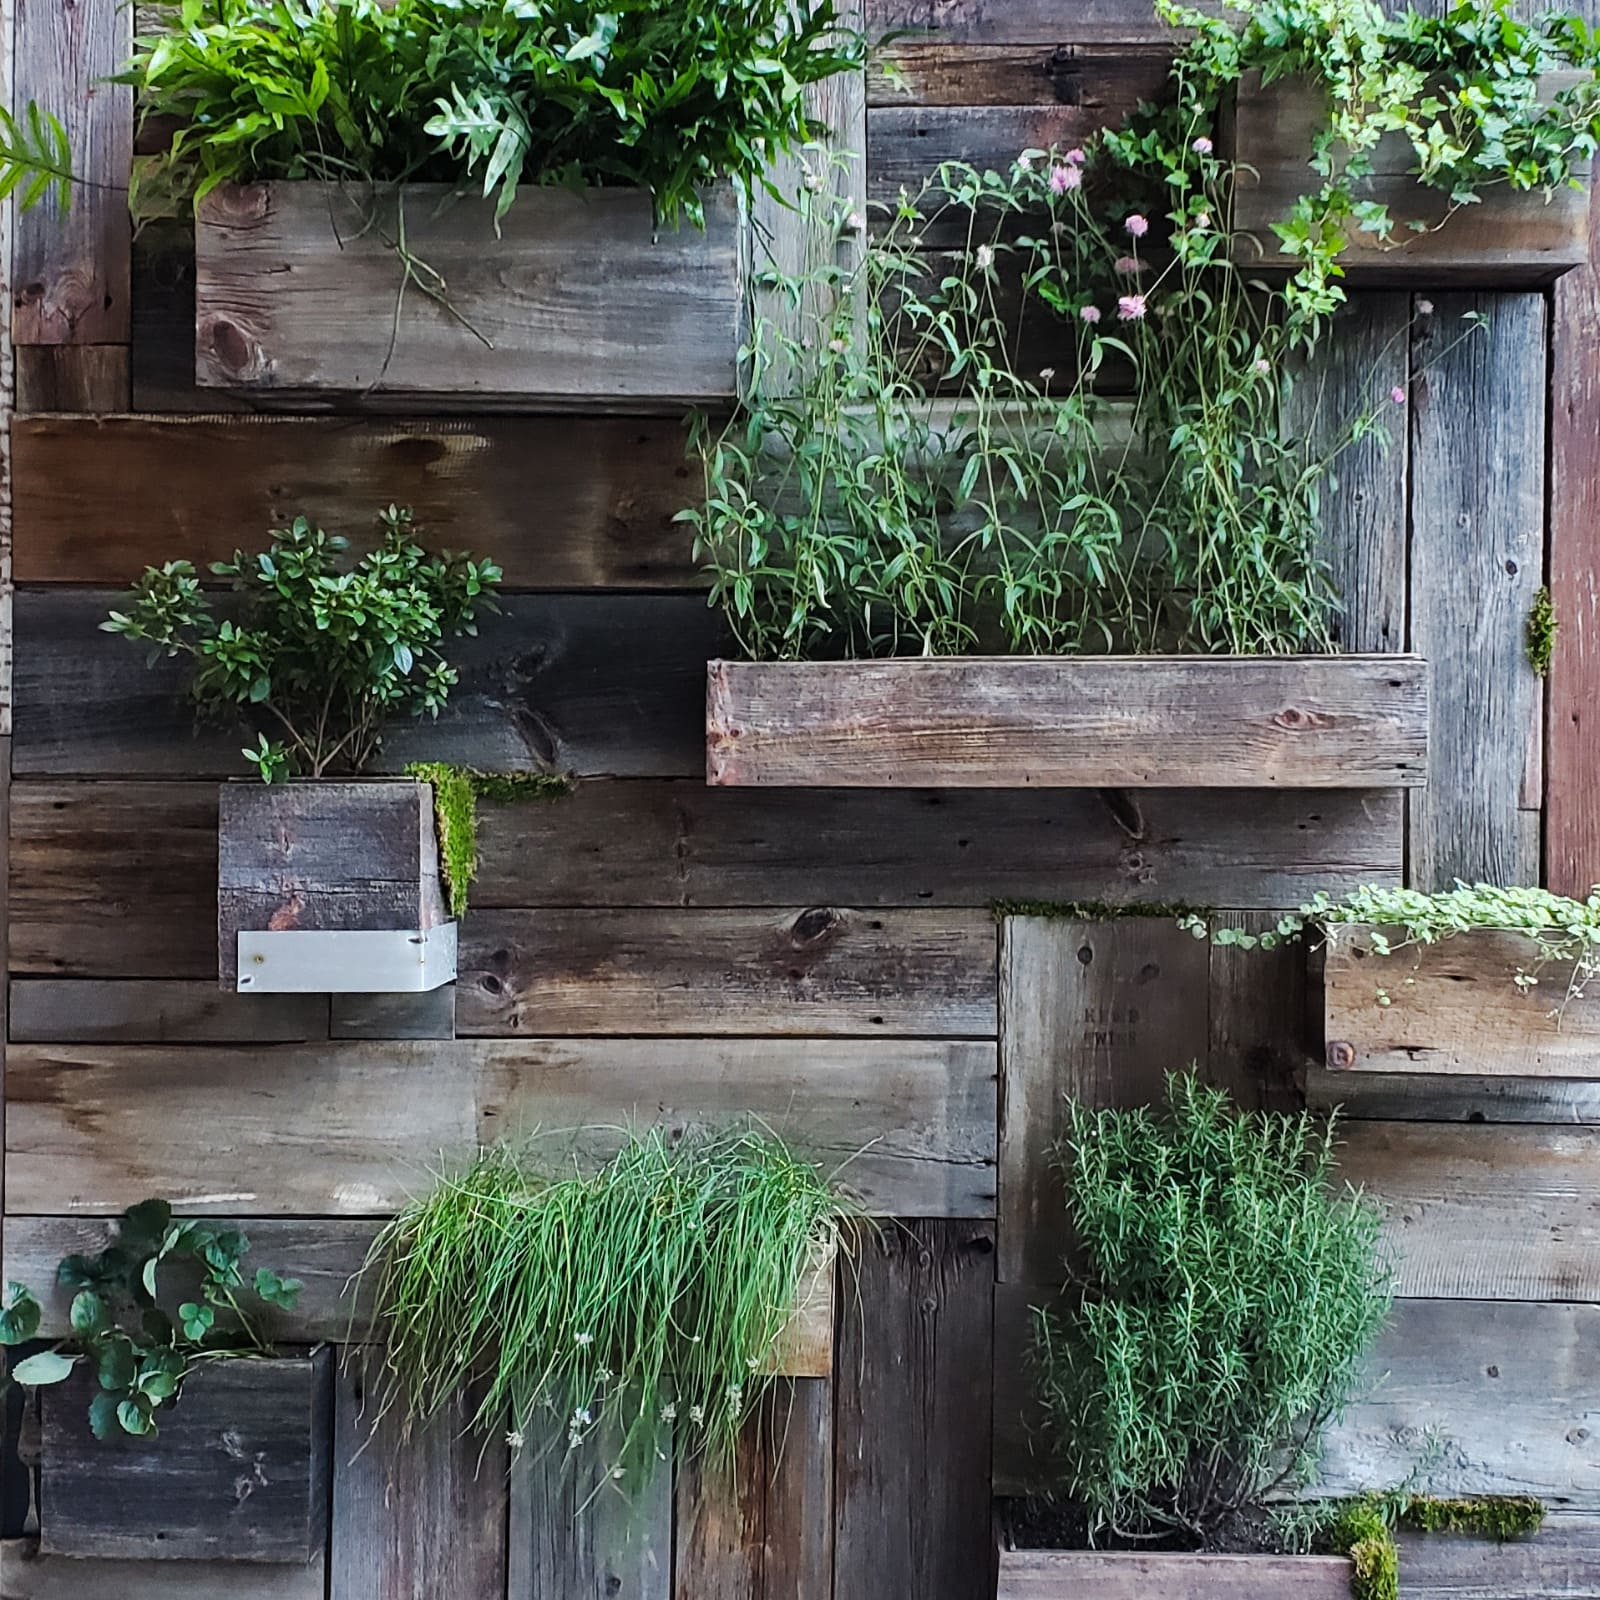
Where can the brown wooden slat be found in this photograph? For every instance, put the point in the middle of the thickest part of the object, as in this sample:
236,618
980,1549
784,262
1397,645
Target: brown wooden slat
1454,1006
352,1129
558,502
160,1011
72,377
818,971
394,1016
1024,21
27,1575
70,273
574,297
913,1383
1477,515
1201,721
1133,1575
1107,81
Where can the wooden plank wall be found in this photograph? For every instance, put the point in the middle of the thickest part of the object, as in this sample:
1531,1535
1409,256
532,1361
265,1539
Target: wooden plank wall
652,948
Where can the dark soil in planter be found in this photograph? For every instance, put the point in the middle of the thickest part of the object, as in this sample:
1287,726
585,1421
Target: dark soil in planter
1038,1522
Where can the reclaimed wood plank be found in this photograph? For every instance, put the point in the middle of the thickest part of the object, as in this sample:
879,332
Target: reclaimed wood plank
601,492
1180,1575
592,684
416,1512
88,378
26,1574
1021,1451
431,1015
70,271
297,285
1560,1562
817,971
1572,772
1257,1039
1430,1097
1109,81
1024,21
1454,1006
159,1011
1477,558
351,1130
912,1500
1480,1213
1200,722
1460,1371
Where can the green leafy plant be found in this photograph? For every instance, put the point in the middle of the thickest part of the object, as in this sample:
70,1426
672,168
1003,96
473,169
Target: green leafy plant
323,650
35,158
1363,1530
1223,1296
456,792
140,1355
1489,1516
632,1311
1541,633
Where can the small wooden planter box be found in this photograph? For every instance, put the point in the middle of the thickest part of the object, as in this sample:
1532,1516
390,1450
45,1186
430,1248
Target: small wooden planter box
1453,1007
1509,239
579,298
238,1471
1134,1575
1294,722
330,888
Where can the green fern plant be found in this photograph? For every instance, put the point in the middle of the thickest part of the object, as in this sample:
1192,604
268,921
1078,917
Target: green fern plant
35,158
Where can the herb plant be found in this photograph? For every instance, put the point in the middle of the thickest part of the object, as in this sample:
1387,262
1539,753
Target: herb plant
1223,1297
139,1354
634,1310
323,651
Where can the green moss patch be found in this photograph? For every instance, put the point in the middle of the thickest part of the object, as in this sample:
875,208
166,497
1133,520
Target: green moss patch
1502,1516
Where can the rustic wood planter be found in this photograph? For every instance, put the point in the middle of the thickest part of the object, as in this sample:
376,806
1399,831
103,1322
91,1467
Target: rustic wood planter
1293,722
1453,1007
1135,1575
238,1471
578,299
331,888
1508,239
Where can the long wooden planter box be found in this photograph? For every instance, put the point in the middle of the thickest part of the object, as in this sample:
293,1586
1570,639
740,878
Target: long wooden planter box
1453,1007
577,299
237,1472
1293,722
349,859
1508,239
1132,1575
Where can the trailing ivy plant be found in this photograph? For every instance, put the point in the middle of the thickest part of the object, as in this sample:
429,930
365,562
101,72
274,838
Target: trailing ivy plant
1223,1293
140,1355
631,1311
321,650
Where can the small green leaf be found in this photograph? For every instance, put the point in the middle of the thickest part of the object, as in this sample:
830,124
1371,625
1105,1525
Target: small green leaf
49,1366
20,1313
103,1415
89,1315
134,1417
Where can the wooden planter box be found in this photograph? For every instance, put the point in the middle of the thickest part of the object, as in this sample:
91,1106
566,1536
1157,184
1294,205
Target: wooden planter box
578,296
330,888
1133,1575
1453,1007
1294,722
237,1472
1508,239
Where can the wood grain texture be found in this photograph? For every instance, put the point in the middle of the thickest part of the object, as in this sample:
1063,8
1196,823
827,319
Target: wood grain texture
1024,21
1572,773
573,297
1477,532
431,1015
1335,722
1482,1213
25,1574
159,1011
89,378
817,971
415,1514
1431,1097
1454,1007
592,684
1507,1390
558,502
70,271
912,1506
1560,1562
352,1129
1106,81
1133,1575
1022,1449
239,1470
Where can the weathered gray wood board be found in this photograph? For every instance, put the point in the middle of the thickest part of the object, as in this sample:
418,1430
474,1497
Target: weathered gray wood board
1455,1007
415,1512
818,970
431,1015
574,297
1133,1575
912,1506
932,70
352,1129
1484,1213
1560,1562
1453,1097
70,273
1023,21
1509,239
25,1574
1201,722
1477,520
558,502
239,1470
589,683
160,1010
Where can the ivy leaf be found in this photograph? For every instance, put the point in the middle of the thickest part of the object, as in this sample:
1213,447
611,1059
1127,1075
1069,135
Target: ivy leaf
103,1415
89,1315
117,1364
146,1224
134,1417
19,1314
49,1366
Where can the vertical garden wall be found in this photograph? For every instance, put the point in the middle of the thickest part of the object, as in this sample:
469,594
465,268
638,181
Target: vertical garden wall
893,963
